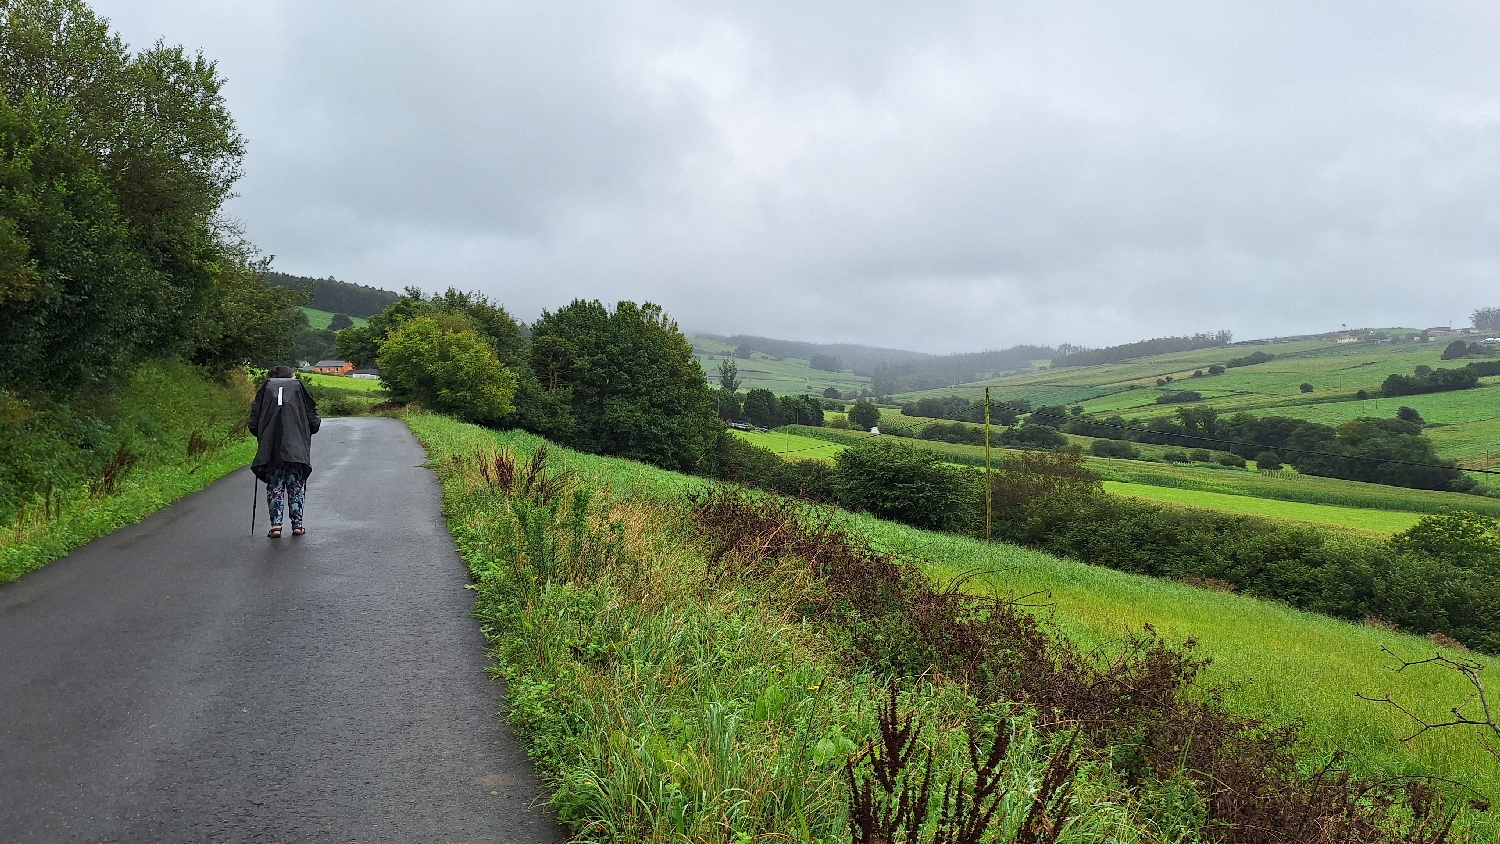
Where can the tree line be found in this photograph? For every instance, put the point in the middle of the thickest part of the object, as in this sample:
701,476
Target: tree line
1075,356
340,297
115,166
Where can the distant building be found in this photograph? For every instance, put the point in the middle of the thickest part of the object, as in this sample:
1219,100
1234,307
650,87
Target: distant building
333,367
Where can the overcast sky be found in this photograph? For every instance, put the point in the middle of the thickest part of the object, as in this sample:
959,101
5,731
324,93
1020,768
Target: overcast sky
941,176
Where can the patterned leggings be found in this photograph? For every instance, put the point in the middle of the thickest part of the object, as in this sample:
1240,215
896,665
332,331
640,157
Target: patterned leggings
285,484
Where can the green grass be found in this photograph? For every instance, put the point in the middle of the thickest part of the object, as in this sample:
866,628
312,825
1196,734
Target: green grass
1469,420
1280,663
1375,521
320,319
342,382
792,447
787,376
156,413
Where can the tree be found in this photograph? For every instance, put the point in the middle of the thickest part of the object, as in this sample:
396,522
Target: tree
1216,369
729,375
762,408
1410,414
244,320
864,415
357,345
1267,460
832,393
339,322
442,362
1487,319
1305,387
636,391
743,352
825,363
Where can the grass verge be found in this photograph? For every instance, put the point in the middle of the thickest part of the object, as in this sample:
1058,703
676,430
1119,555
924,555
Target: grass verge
664,704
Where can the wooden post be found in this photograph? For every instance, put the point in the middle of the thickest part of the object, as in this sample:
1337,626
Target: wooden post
989,489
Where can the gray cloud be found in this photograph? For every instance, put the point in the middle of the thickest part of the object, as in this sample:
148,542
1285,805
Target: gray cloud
949,176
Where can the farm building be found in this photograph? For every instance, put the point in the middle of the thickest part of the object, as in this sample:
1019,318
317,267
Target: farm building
333,367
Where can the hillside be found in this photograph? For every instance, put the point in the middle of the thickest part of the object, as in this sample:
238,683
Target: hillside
337,297
779,374
1465,423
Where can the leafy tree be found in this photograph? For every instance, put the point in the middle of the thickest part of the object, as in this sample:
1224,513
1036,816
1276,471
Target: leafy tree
727,406
864,415
1032,435
1435,381
357,345
892,480
244,320
1114,448
1422,370
339,322
801,410
832,393
637,391
825,363
442,362
1267,460
762,408
1487,319
1305,387
743,352
1410,414
729,375
1462,538
1216,369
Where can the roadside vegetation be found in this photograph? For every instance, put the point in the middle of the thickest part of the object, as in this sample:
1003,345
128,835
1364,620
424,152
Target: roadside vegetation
128,308
683,666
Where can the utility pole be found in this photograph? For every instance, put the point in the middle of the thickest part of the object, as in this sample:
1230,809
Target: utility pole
989,489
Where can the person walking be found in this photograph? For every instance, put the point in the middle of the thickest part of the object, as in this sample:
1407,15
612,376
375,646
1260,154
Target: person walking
283,418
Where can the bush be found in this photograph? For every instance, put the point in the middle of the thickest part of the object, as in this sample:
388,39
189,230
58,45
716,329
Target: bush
839,422
1179,397
441,362
1362,395
1250,360
1033,436
1175,456
953,432
1460,539
1435,381
1216,369
894,481
1114,448
1268,460
1201,455
1408,414
1305,387
1235,460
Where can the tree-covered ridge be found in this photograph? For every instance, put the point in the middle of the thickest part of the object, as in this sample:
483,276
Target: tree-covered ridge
947,370
339,297
113,169
1072,356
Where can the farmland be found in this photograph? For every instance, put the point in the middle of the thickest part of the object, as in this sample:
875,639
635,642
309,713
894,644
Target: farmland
1355,518
1466,422
784,376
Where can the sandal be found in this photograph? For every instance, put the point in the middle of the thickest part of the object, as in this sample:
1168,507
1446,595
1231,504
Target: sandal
275,532
298,530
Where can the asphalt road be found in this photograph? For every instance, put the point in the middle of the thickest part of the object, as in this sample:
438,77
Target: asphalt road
182,681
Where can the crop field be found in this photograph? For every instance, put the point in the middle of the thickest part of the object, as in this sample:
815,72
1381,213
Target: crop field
791,446
1369,521
320,319
1279,663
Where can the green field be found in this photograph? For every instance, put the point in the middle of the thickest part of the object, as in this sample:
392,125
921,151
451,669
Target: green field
1466,423
784,376
342,382
1375,521
791,446
1279,663
320,319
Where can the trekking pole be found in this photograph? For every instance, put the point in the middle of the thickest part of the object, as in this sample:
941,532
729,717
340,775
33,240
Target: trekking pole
254,501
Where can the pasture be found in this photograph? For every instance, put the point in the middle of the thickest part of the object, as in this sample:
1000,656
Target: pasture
790,446
1383,522
320,319
1466,422
784,376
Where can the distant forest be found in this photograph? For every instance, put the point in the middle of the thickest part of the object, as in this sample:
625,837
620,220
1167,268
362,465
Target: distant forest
1073,356
934,372
861,359
340,297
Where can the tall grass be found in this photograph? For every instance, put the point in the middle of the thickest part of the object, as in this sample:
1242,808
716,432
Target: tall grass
664,701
